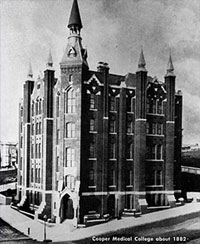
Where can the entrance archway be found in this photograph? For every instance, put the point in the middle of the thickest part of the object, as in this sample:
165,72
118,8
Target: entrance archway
66,208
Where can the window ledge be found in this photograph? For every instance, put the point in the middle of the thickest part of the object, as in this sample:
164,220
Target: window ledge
91,187
92,131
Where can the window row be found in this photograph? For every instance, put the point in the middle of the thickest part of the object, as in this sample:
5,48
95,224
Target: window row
37,175
38,128
38,150
154,106
112,151
113,127
111,177
154,152
113,105
36,108
154,128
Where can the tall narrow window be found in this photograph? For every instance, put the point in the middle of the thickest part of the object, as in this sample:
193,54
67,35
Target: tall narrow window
159,107
32,150
159,151
57,136
57,105
71,101
112,150
32,110
147,128
153,128
112,103
148,105
129,127
112,177
92,124
69,181
128,105
70,130
92,150
129,179
92,101
91,177
154,106
36,108
129,151
31,174
133,105
159,129
158,177
70,157
40,107
39,150
32,129
112,126
57,163
39,175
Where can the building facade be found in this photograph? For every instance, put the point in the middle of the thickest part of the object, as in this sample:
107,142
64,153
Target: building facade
92,141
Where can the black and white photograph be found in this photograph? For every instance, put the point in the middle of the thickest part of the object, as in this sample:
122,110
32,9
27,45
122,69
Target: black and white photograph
99,121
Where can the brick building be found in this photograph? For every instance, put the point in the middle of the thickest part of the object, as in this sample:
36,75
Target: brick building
95,141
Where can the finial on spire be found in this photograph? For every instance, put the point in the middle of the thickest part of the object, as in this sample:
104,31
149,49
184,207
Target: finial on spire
50,60
75,19
170,67
30,72
141,63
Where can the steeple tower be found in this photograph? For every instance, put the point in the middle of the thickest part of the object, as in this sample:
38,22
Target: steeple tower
141,63
74,53
50,60
170,67
30,72
75,19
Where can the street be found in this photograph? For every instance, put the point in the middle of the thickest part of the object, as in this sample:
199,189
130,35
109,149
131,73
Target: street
187,231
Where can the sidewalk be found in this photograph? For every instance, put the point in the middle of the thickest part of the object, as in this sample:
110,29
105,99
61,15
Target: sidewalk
65,232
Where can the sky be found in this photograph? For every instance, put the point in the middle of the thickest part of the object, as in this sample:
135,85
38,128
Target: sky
114,32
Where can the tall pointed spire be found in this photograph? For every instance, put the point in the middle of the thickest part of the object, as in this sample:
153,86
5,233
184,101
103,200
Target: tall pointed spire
141,63
50,60
75,19
30,72
170,67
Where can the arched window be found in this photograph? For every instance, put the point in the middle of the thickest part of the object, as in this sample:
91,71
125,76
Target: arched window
70,130
71,101
70,157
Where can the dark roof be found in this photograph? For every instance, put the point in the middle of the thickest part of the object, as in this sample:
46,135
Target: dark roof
130,78
112,78
75,18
